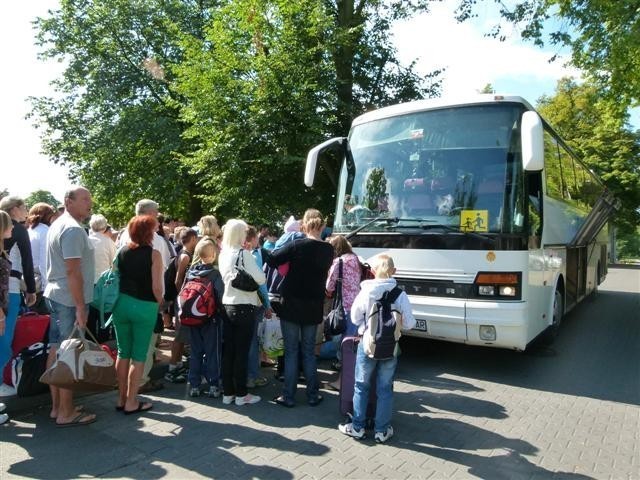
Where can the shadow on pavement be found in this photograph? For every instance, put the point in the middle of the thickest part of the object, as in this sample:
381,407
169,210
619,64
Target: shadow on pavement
511,465
596,355
115,447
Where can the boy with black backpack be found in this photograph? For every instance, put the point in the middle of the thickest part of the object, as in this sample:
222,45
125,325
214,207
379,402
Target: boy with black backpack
200,303
380,311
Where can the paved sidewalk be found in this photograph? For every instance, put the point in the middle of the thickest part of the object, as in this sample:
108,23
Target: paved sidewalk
569,411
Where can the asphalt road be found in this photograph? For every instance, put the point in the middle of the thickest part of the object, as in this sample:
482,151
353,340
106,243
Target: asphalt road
571,409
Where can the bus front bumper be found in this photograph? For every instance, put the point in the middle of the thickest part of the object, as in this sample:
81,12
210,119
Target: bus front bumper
459,320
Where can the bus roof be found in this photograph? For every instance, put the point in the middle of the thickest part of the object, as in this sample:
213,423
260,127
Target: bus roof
435,103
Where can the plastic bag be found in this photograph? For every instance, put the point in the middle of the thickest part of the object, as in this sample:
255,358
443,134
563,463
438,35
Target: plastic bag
271,337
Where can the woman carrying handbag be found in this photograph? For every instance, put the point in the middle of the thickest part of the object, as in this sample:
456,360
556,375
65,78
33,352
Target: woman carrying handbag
241,277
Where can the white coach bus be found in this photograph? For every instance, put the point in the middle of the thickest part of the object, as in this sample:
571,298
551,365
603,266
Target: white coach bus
496,228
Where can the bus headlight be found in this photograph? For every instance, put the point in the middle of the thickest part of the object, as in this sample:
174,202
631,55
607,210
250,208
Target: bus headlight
486,290
507,291
488,333
505,285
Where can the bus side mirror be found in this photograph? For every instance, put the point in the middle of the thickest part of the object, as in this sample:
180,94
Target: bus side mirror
532,141
312,158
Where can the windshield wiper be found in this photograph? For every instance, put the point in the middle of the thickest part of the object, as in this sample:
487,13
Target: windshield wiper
371,222
385,219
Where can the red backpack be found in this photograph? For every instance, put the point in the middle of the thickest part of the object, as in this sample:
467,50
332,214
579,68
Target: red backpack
197,302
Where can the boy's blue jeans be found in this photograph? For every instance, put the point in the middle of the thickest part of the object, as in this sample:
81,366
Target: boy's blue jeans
365,369
206,350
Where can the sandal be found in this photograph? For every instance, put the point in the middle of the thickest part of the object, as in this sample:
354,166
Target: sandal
78,420
142,407
283,402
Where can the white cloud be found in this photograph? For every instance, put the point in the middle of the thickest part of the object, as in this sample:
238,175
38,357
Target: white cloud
471,59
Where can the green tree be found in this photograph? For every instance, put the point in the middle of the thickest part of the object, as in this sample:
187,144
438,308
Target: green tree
43,196
269,80
602,35
599,133
375,189
210,106
114,121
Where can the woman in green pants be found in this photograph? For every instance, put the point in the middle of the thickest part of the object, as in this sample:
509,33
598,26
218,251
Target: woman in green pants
135,312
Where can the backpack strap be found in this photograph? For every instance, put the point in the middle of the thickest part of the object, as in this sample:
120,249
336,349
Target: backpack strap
393,294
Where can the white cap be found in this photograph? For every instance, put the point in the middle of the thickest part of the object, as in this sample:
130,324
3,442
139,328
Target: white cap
292,225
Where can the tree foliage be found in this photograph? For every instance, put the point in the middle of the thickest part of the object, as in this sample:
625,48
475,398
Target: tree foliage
43,196
210,106
603,36
113,120
599,133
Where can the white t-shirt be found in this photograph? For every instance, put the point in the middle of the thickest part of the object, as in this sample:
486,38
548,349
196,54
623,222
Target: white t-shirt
158,244
38,237
104,250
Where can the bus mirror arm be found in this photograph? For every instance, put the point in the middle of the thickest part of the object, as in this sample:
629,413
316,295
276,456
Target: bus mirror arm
315,152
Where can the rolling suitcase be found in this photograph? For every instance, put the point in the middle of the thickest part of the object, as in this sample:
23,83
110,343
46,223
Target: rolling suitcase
349,348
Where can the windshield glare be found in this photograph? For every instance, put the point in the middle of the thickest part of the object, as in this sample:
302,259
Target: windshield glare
454,166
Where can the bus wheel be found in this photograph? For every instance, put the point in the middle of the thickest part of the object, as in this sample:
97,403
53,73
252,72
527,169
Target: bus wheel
548,337
558,313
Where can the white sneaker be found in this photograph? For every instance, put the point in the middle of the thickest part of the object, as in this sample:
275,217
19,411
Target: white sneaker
4,418
382,437
7,390
348,429
248,399
228,399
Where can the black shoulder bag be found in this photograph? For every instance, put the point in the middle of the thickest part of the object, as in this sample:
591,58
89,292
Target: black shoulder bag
240,279
336,322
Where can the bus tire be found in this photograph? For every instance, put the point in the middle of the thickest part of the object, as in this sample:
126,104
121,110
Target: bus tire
551,333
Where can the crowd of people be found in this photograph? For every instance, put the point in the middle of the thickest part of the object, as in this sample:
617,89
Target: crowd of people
50,261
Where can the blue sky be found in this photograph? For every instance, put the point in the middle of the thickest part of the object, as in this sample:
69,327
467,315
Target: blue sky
436,40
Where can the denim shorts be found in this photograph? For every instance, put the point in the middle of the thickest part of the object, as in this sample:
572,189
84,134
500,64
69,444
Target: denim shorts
62,320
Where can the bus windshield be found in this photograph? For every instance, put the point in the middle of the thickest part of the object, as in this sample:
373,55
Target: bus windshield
457,167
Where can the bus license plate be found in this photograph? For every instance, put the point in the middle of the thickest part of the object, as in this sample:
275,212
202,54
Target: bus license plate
421,325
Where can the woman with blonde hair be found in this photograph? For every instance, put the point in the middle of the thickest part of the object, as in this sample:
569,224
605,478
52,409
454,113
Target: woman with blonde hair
302,307
208,228
240,306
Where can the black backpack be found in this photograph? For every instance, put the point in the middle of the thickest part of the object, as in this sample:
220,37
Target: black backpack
170,290
382,330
